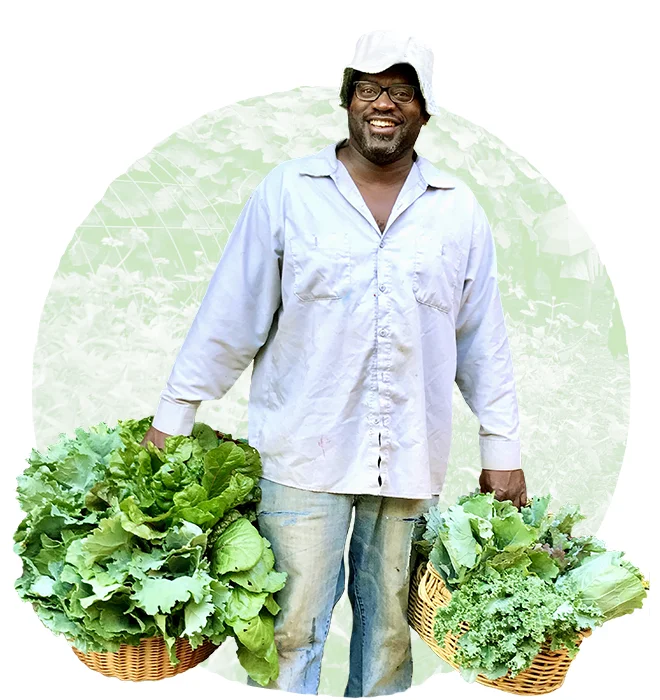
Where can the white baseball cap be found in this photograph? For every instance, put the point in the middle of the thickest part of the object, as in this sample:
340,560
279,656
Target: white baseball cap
379,50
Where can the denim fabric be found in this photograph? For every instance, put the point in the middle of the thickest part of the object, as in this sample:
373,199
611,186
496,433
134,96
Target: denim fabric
308,532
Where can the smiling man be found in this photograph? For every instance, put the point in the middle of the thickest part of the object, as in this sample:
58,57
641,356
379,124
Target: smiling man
362,281
384,131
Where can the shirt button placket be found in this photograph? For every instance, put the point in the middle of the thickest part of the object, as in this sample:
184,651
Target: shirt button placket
382,333
384,351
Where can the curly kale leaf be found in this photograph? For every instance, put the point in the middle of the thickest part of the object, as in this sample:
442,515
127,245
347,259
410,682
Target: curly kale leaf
510,616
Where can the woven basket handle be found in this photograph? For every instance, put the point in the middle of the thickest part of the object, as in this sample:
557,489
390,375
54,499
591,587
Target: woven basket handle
421,588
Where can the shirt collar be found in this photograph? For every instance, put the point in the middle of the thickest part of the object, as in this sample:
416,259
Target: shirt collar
324,163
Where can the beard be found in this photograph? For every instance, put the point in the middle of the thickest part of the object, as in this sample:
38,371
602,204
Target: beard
381,149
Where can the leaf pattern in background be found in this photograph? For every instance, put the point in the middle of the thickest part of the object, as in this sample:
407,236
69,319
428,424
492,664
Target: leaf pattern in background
135,272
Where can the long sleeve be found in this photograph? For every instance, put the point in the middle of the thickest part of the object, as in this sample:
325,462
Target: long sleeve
232,322
484,371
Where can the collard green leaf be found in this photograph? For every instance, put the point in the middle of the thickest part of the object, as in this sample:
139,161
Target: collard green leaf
442,563
114,622
221,593
271,605
255,579
434,521
535,513
102,592
543,565
169,639
185,535
42,586
480,504
582,547
244,605
482,529
261,669
156,595
239,548
197,613
109,536
511,533
59,622
458,538
255,634
275,581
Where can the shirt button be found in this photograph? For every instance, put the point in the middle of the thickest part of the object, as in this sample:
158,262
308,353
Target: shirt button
383,332
376,421
382,244
382,288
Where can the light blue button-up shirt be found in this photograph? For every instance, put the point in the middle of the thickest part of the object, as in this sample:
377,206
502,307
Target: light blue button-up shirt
357,336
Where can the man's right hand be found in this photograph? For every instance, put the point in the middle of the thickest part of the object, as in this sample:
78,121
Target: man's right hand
156,437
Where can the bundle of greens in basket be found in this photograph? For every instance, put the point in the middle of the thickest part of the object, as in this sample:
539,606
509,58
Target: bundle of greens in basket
520,580
123,542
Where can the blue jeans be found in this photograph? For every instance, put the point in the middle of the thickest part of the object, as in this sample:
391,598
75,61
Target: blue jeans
308,532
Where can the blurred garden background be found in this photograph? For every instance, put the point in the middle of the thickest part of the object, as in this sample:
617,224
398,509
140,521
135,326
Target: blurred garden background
132,278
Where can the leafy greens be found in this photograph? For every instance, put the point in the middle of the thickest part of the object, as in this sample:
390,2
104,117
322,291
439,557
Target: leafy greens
122,542
520,580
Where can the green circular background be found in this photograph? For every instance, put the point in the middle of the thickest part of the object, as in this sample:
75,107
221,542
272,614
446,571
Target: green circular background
132,278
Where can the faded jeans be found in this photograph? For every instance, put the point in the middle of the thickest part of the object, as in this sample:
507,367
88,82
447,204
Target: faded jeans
308,531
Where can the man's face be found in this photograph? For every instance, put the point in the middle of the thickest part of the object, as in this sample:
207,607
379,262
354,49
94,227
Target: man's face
379,143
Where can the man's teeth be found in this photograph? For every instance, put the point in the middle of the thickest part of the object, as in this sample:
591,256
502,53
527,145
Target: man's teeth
381,122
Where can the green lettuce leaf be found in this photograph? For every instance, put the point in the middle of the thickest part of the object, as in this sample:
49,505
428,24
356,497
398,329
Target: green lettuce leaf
607,582
261,668
239,548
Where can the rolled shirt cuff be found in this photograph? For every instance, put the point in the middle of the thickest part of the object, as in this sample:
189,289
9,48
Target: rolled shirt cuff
500,454
175,418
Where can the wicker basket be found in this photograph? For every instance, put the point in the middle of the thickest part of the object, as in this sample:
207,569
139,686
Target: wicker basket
428,592
147,662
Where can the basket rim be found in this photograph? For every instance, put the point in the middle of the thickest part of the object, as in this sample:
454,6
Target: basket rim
159,639
546,673
147,662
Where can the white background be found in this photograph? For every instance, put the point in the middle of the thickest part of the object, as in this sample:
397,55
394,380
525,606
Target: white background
94,86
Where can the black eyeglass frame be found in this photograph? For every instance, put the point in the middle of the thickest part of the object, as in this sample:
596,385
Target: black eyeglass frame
384,89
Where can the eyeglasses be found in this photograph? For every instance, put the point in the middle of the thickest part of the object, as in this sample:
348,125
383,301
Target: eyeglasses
370,92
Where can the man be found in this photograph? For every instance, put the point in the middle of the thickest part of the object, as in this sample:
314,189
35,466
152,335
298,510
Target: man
363,283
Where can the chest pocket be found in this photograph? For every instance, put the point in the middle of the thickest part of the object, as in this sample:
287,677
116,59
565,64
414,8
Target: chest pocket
322,266
436,270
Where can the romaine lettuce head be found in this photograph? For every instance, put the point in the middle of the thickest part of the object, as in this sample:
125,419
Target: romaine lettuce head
608,582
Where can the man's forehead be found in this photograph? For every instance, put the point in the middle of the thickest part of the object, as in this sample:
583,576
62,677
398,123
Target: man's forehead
401,72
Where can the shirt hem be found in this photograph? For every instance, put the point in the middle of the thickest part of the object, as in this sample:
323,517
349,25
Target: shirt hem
315,489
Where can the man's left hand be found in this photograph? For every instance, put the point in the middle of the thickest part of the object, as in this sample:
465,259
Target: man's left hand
508,485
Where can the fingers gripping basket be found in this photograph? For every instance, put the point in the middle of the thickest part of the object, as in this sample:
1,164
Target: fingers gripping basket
428,592
147,662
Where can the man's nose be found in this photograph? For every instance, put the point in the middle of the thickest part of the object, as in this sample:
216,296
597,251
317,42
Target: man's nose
384,101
